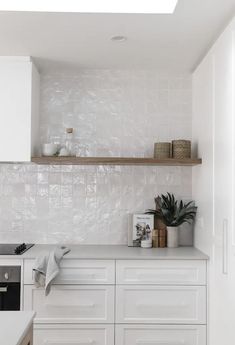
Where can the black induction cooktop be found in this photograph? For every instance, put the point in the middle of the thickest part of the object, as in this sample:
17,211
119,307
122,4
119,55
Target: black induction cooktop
14,249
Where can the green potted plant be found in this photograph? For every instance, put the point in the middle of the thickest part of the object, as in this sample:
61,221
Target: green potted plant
173,213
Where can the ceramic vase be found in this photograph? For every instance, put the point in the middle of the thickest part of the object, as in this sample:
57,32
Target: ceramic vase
172,237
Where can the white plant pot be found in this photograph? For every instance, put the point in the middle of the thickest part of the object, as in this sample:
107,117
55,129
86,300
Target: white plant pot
172,237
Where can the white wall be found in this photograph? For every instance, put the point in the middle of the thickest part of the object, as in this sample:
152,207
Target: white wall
203,133
118,113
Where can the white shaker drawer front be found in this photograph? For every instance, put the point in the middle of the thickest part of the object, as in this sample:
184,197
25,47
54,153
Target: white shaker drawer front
160,335
164,272
161,304
78,272
71,303
74,335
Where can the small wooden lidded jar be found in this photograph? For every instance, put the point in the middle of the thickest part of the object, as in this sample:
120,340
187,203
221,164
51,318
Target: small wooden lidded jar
155,238
181,149
162,150
162,238
161,229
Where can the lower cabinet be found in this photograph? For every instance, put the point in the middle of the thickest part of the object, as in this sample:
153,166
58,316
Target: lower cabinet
46,334
28,339
49,334
160,335
168,306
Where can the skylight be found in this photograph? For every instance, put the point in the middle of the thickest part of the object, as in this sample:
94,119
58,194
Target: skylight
91,6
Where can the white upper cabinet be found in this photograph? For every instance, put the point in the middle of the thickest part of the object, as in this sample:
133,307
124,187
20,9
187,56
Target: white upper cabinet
19,107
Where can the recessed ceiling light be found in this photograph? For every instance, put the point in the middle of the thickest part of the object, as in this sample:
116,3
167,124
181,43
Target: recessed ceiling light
118,38
91,6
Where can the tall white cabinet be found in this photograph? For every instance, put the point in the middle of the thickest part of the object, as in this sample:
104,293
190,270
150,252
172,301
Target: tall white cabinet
19,107
213,182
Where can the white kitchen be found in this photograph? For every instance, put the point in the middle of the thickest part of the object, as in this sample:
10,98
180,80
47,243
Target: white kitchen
117,172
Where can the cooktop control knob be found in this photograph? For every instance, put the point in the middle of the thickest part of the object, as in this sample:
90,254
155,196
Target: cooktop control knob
6,275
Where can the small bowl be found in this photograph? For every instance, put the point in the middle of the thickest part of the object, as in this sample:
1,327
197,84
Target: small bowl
49,149
146,243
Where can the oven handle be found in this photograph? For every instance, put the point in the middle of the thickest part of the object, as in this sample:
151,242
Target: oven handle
3,289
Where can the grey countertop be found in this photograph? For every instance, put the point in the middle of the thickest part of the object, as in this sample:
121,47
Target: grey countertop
119,252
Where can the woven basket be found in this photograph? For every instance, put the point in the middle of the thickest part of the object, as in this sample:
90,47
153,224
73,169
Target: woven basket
162,150
181,149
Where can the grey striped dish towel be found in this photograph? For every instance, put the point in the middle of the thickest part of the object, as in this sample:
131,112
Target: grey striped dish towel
47,267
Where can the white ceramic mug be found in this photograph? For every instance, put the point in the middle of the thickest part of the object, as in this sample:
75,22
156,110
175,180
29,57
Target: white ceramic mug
49,149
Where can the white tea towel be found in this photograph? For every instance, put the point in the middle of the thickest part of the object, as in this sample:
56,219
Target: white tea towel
40,270
47,267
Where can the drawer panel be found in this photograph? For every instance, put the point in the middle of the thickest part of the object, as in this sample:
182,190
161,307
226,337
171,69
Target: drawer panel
173,272
160,335
161,304
78,272
74,335
71,303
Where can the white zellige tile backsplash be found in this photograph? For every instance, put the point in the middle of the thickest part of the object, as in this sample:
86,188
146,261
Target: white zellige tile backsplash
113,113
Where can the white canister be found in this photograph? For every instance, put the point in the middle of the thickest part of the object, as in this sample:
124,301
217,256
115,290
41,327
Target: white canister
63,152
172,237
146,243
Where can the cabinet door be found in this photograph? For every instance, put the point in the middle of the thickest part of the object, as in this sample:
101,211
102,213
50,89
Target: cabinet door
222,313
71,303
74,335
214,183
159,335
161,304
19,93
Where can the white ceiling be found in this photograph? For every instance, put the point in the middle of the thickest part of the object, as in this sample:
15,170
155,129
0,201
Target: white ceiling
168,42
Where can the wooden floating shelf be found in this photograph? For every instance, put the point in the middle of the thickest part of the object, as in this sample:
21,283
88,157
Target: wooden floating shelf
115,161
